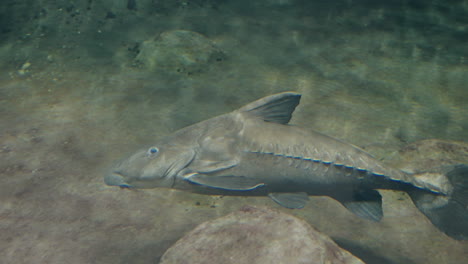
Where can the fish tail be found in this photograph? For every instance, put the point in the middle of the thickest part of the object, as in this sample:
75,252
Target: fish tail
445,206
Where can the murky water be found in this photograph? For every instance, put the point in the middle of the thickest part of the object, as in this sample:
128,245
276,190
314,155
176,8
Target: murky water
75,96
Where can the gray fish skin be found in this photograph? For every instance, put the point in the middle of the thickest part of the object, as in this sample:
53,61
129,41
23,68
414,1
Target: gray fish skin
254,151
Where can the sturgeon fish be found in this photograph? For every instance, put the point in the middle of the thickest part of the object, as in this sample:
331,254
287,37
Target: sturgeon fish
254,151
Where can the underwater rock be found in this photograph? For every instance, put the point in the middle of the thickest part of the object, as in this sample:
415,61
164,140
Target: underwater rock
433,157
256,235
179,51
432,153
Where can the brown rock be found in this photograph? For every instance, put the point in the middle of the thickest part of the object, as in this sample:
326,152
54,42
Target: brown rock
432,153
179,51
256,235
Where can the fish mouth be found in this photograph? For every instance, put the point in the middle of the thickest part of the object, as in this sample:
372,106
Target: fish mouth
116,179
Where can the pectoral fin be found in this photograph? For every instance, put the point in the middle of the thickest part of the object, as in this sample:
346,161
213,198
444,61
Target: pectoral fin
233,183
366,204
290,200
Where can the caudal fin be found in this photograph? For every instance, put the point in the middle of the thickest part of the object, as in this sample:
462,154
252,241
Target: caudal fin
449,213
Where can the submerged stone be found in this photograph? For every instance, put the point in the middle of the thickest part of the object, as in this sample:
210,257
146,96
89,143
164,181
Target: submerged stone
426,154
179,51
257,235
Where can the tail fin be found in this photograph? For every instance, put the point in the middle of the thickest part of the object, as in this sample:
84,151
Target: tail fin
449,213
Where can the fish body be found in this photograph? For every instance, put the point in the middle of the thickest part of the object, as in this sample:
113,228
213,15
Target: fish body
254,151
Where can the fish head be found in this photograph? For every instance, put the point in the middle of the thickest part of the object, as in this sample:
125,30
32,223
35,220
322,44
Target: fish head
150,167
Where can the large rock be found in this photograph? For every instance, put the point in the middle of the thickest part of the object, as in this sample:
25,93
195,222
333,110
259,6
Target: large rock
254,235
179,51
432,153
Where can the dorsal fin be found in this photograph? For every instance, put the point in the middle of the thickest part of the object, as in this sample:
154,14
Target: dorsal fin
276,108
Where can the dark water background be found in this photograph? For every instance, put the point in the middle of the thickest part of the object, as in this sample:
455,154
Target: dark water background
74,97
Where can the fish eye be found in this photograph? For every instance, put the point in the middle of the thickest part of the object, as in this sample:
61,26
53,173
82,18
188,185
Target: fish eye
153,150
